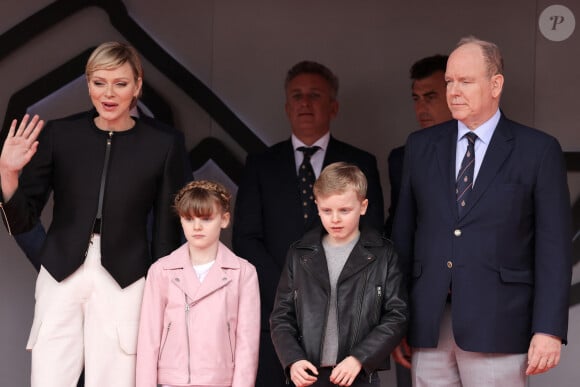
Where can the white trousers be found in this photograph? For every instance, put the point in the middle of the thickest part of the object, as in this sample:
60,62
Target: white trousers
88,321
450,366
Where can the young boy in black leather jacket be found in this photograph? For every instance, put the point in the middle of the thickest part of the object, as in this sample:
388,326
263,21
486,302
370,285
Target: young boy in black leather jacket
341,306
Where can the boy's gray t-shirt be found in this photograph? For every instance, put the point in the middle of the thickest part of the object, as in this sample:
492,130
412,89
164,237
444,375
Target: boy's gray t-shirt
336,257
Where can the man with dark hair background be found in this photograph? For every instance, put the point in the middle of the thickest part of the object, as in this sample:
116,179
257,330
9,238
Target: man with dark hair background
428,92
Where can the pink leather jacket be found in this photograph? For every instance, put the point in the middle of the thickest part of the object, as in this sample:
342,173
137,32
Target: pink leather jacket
194,333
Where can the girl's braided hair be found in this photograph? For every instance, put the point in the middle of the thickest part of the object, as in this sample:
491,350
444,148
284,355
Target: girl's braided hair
198,198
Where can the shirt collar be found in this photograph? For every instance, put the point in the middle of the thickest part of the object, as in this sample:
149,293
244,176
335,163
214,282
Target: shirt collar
322,142
484,131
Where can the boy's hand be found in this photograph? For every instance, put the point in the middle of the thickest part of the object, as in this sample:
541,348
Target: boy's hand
346,371
402,354
302,373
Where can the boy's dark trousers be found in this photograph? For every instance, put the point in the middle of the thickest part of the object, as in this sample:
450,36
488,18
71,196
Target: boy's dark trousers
362,380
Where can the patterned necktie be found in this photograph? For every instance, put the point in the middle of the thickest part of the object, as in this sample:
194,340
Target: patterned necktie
464,183
306,179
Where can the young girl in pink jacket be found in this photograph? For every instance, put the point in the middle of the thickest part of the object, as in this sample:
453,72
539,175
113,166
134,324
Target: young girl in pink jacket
200,316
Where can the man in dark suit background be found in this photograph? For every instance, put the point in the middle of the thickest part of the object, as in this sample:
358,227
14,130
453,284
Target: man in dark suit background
270,213
428,92
488,256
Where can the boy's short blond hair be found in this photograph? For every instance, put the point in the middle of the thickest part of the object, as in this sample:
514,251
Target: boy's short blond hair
199,198
336,178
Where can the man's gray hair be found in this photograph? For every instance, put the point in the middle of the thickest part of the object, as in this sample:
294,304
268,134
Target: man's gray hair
490,51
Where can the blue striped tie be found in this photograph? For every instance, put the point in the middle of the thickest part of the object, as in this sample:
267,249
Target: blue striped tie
464,183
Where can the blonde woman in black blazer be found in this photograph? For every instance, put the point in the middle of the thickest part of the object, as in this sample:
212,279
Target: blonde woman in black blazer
106,171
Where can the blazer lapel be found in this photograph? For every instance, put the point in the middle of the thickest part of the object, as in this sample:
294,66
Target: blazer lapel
288,162
331,155
445,148
499,149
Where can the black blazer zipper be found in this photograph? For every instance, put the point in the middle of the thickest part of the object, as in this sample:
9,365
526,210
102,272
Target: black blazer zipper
97,223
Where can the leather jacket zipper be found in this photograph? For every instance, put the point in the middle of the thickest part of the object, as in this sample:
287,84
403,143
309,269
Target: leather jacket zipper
379,303
354,337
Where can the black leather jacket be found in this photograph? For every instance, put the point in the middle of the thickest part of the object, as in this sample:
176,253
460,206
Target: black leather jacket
372,303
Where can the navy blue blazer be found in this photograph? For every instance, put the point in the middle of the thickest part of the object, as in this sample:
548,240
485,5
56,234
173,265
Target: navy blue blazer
395,166
268,214
506,259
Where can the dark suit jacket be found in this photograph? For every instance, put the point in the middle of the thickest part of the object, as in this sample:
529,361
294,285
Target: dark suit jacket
507,258
395,176
268,215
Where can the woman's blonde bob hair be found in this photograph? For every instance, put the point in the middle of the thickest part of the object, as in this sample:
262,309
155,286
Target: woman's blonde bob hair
111,55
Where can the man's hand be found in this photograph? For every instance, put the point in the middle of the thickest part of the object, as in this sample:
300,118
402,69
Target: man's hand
544,353
346,371
402,354
300,375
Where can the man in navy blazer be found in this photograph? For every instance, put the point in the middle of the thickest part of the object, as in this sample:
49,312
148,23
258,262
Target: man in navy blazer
489,274
428,89
269,213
